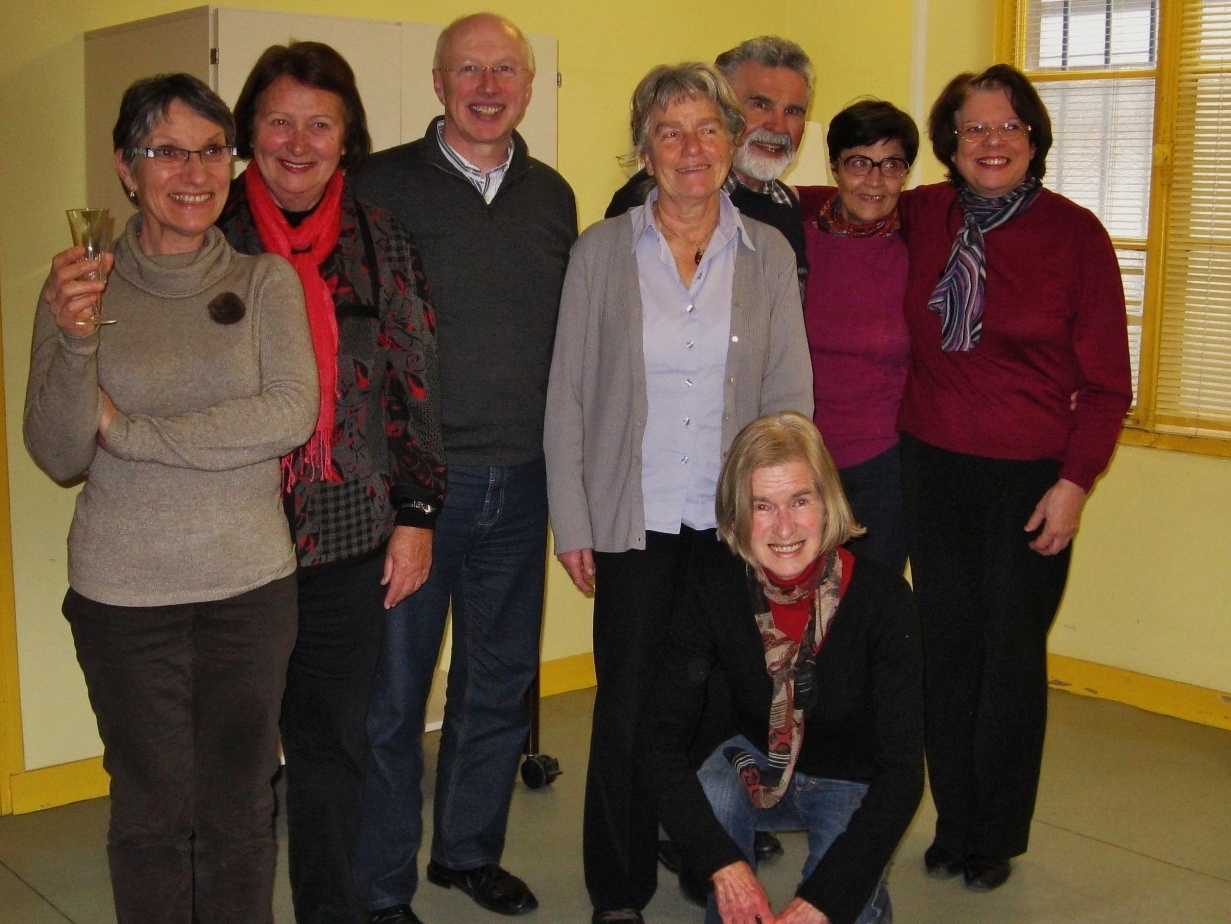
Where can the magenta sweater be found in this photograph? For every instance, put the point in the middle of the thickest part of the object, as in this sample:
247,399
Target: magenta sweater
1053,324
858,338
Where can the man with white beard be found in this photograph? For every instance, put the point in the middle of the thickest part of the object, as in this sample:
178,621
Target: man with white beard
773,79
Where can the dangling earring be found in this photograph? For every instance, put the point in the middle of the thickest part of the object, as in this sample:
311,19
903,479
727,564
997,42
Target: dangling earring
132,194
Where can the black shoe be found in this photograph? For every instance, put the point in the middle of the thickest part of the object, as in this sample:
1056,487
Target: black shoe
985,873
492,887
942,863
398,914
620,915
669,856
766,847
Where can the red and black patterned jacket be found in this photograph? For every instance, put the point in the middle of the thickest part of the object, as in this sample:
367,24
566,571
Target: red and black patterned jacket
387,443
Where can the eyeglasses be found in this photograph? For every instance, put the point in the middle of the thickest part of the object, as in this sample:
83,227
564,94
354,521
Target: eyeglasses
473,73
1009,132
892,167
171,156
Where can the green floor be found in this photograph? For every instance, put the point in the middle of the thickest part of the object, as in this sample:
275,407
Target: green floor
1133,827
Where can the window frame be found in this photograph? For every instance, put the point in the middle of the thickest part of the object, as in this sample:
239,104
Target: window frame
1140,425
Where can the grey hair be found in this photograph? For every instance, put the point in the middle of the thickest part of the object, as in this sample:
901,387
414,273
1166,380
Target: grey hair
146,102
670,83
768,51
446,36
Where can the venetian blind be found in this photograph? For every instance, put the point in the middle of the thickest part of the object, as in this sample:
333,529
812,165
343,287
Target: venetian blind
1093,63
1194,375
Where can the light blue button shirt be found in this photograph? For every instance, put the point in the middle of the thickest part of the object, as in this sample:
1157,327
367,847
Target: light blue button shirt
686,333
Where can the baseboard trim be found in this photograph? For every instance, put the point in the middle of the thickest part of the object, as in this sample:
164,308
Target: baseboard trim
1153,694
61,784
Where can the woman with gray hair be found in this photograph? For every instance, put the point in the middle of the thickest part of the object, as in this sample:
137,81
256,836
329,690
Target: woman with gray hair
182,599
815,656
680,322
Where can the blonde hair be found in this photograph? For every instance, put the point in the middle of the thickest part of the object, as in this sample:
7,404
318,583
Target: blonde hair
777,440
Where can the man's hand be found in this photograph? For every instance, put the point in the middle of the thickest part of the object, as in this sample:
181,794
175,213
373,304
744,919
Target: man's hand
1059,513
580,567
408,559
741,899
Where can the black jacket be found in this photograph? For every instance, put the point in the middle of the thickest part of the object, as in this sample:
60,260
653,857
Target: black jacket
495,272
867,725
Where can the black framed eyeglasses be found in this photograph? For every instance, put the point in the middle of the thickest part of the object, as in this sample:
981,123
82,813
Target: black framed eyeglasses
169,155
892,167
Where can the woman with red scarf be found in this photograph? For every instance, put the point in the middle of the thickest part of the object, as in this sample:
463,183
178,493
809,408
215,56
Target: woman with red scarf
853,312
364,492
793,699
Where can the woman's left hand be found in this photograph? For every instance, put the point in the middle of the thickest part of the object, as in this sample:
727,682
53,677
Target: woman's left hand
802,912
408,559
1059,513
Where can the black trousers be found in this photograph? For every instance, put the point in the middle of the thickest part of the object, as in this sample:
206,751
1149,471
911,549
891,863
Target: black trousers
986,603
186,698
634,595
324,734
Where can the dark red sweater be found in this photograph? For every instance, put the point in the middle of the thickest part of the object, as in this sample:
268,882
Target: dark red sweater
1053,324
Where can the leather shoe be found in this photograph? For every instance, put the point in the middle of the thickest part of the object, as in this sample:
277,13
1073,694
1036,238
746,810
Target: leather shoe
492,887
398,914
985,873
766,847
941,862
618,916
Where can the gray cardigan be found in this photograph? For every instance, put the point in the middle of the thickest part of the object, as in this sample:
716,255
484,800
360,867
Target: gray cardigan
184,503
596,397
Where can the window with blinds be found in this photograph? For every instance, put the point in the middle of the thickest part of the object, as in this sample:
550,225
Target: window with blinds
1139,93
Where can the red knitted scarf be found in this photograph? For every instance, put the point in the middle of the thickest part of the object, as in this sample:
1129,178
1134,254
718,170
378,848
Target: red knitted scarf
307,247
831,218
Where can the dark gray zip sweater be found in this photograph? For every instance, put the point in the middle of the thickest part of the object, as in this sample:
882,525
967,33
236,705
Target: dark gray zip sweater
495,272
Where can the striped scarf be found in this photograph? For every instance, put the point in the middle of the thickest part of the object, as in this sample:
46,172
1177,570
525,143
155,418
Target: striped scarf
792,668
958,297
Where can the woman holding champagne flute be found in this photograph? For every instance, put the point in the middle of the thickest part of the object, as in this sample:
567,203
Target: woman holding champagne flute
182,599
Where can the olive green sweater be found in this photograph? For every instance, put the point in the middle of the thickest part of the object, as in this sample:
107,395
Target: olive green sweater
184,503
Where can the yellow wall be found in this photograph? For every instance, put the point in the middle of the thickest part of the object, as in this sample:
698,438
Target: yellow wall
1147,590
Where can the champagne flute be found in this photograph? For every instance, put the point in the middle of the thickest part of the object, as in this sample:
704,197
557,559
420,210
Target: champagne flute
92,230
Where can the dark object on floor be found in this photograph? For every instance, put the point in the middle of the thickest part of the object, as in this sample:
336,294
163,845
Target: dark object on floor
941,863
492,887
537,770
398,914
985,873
766,846
620,916
669,856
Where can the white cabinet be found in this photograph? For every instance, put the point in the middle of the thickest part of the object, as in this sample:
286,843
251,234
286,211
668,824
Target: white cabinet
392,63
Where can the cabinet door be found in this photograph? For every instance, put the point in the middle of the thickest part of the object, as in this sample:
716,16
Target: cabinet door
372,48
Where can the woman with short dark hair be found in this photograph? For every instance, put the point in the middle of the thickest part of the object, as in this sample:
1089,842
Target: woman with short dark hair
853,311
790,697
182,599
365,491
1019,381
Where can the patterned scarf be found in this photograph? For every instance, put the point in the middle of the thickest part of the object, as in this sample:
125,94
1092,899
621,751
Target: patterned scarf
958,297
306,248
792,668
830,218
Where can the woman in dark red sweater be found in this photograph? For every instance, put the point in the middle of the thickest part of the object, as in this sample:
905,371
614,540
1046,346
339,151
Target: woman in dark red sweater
1018,384
853,312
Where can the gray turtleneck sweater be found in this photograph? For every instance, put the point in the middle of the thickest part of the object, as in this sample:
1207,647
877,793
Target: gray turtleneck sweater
184,503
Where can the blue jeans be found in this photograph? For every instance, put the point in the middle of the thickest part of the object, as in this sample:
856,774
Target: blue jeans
819,806
488,559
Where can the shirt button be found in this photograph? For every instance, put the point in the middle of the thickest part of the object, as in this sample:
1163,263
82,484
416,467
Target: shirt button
691,308
688,382
684,461
735,339
731,380
691,344
687,421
